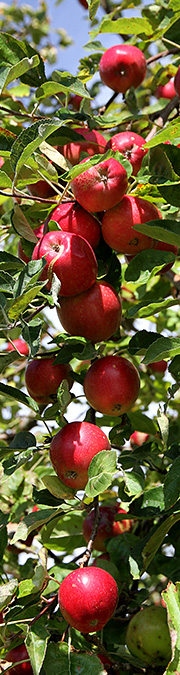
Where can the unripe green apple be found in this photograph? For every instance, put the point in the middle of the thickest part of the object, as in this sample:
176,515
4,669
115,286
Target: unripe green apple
148,636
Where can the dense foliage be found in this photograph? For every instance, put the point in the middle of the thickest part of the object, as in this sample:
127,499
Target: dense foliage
41,518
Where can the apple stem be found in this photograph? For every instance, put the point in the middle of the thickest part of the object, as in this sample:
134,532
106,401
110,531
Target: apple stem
85,559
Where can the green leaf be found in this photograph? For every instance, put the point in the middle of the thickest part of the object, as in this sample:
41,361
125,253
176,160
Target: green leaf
33,521
18,395
174,368
143,309
22,226
10,263
163,230
31,333
171,596
144,263
141,341
134,483
8,74
139,26
64,82
101,472
170,133
64,533
36,643
30,139
58,489
13,52
141,422
7,358
96,159
163,424
5,181
19,305
163,348
172,484
57,661
157,539
6,592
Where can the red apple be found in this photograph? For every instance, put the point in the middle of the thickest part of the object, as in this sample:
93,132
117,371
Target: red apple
42,378
70,257
41,189
72,450
94,144
94,314
166,91
177,82
138,438
131,146
111,385
39,234
162,246
16,654
1,161
73,218
75,99
102,186
108,526
122,67
158,366
87,598
21,346
117,224
84,3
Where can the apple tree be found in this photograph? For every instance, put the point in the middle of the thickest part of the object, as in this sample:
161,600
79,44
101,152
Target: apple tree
90,345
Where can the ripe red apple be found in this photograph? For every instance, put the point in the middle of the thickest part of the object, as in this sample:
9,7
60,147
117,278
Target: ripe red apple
162,246
70,257
18,654
102,186
41,189
158,366
87,598
21,346
73,218
72,450
166,90
108,526
39,234
117,224
177,82
122,67
131,146
42,378
1,161
138,438
148,636
94,314
111,385
75,99
94,144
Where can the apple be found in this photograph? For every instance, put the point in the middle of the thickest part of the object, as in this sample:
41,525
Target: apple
166,90
70,257
94,144
16,654
94,314
43,377
162,246
138,438
131,146
158,366
177,82
1,161
73,218
41,189
111,385
102,186
108,526
39,234
148,636
117,224
73,448
75,99
122,66
87,598
84,3
21,346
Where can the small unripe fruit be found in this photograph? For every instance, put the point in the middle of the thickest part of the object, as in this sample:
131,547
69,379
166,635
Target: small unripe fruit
87,598
72,450
148,636
122,67
111,385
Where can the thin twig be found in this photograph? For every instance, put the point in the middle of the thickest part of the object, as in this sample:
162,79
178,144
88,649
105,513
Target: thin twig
85,559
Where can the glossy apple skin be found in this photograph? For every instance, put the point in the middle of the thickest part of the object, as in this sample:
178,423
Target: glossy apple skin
39,234
148,636
21,346
117,224
166,91
94,314
138,438
74,260
122,67
87,598
158,366
108,526
131,146
111,385
162,246
73,218
18,654
72,450
94,144
177,82
42,378
102,186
